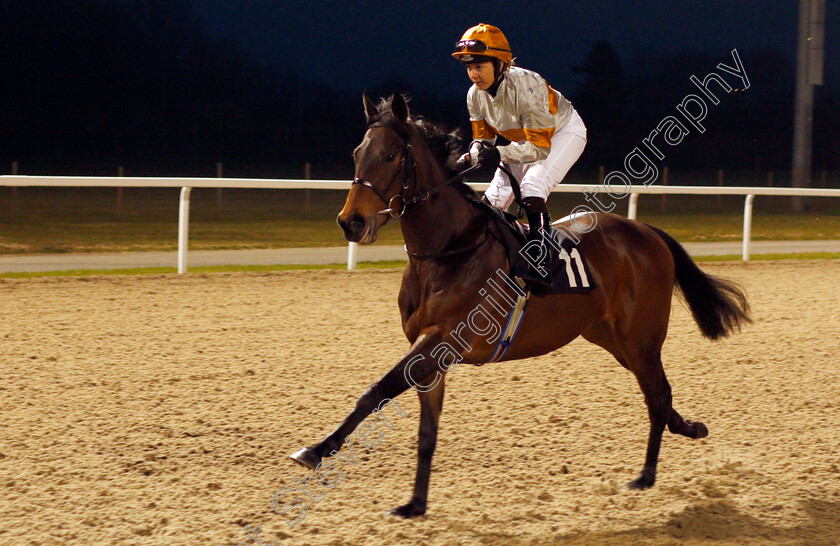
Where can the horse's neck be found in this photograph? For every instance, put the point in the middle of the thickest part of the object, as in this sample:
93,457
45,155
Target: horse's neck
444,220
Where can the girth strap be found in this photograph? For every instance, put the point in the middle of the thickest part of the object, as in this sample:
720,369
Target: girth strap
514,321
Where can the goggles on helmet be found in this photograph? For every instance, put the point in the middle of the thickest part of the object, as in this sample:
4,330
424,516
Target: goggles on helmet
475,46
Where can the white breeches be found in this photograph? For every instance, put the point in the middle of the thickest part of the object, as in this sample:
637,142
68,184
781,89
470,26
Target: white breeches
538,178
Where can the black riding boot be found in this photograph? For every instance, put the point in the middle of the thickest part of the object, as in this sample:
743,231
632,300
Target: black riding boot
540,257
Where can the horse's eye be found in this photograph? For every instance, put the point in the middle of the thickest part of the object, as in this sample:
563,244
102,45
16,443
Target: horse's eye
391,157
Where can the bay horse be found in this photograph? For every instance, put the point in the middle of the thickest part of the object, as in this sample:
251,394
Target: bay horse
402,164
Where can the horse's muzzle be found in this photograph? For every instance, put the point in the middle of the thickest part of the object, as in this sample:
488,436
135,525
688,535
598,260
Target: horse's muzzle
353,226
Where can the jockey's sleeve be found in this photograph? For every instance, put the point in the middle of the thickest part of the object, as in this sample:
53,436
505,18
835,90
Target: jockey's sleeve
538,124
480,129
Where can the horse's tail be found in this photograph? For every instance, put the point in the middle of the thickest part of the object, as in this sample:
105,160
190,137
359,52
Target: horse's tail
719,306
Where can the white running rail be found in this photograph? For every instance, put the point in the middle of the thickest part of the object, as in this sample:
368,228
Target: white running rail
186,185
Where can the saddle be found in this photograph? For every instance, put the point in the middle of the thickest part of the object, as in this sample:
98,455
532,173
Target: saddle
569,273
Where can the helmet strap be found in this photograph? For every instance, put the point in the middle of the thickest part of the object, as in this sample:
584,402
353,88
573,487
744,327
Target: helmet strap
498,76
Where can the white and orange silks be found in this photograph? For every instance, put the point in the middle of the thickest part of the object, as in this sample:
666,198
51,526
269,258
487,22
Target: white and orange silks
547,135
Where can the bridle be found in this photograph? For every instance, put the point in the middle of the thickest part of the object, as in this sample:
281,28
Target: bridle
407,166
399,203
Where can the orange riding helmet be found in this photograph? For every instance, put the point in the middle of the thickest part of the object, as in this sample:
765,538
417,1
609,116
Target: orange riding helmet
483,40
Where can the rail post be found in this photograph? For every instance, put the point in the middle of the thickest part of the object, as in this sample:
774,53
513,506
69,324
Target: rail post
748,210
632,206
351,255
183,229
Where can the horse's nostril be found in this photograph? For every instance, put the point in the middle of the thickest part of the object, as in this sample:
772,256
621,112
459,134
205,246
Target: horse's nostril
356,223
353,225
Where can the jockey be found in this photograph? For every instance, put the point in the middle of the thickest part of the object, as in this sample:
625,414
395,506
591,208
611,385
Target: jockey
546,134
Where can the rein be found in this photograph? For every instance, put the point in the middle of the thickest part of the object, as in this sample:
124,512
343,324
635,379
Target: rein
514,185
450,253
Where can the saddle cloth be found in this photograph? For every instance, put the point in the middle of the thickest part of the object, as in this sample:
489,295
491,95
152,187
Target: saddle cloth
570,272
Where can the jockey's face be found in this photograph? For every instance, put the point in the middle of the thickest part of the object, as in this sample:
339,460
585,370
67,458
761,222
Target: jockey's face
481,74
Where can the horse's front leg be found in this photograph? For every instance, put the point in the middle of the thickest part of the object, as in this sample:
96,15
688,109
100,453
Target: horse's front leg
431,406
393,383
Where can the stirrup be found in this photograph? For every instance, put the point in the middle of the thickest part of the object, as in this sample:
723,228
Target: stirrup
532,275
526,273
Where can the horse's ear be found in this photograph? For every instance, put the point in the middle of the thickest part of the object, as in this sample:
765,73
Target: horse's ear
399,107
370,109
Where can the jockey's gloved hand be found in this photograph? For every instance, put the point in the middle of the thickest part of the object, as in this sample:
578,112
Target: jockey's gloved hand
470,158
474,155
488,155
465,162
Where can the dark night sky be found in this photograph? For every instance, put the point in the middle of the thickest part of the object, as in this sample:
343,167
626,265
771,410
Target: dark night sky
173,101
359,44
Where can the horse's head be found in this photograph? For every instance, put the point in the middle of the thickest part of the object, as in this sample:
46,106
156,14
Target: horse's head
383,168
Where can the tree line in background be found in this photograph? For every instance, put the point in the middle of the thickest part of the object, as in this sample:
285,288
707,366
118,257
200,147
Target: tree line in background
88,85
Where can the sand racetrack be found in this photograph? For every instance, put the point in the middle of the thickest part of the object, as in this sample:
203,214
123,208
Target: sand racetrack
162,410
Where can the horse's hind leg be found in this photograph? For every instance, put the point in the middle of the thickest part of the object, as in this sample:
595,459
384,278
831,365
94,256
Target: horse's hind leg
431,405
646,365
645,361
651,377
686,427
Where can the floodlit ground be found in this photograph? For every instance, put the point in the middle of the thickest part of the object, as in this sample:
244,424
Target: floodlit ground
162,410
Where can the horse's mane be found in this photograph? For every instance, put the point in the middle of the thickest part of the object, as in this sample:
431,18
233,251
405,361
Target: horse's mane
446,146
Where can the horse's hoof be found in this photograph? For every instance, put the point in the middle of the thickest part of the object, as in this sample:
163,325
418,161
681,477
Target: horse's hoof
306,457
701,430
410,510
644,481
